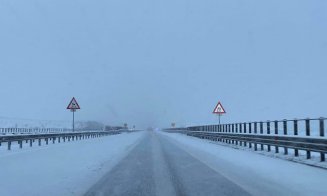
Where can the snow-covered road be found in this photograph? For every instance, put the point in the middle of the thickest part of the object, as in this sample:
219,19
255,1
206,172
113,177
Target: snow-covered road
69,168
158,167
152,163
174,164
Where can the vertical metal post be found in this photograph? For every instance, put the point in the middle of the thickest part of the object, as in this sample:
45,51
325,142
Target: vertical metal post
250,131
261,132
322,134
268,132
276,132
255,127
73,120
307,133
321,127
276,127
268,127
244,125
296,151
285,133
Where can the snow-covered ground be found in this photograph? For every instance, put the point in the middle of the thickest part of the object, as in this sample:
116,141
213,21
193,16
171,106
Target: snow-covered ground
62,169
257,174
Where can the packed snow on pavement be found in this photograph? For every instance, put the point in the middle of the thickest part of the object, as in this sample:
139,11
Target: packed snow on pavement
258,174
69,168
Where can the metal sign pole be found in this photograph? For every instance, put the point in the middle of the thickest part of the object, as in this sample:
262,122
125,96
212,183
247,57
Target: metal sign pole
73,120
73,106
219,118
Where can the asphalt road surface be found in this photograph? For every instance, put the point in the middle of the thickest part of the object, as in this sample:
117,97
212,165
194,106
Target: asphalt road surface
156,166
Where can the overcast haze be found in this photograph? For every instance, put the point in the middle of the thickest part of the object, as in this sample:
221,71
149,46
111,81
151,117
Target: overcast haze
153,62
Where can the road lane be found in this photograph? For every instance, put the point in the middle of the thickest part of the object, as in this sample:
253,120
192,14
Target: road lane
156,166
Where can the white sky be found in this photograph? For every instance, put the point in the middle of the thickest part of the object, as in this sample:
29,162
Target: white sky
153,62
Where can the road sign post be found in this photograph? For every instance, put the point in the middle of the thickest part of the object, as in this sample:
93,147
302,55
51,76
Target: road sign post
219,110
73,106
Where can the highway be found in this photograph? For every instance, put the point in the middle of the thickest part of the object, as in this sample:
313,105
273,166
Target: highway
156,166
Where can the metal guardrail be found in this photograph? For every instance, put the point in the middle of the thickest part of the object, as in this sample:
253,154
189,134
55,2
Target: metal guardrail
31,138
5,131
298,136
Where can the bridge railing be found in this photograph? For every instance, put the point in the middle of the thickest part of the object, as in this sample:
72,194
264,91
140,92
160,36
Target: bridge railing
297,134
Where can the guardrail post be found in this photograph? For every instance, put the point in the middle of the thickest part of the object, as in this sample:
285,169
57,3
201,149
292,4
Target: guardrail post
322,134
59,139
261,132
39,142
53,140
276,132
255,132
285,133
276,127
236,128
268,127
9,145
250,131
20,144
268,132
240,129
244,127
255,127
321,127
46,141
307,133
31,142
296,127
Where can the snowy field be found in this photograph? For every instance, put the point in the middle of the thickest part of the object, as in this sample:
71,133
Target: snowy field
62,169
257,174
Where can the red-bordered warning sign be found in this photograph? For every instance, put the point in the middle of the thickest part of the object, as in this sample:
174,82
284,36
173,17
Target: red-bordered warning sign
73,105
219,109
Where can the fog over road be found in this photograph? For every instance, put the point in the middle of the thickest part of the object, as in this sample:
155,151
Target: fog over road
156,166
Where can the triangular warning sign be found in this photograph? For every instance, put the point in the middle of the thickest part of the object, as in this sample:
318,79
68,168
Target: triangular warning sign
219,109
73,105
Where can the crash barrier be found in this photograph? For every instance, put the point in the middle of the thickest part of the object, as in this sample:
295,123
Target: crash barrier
5,131
51,137
297,134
